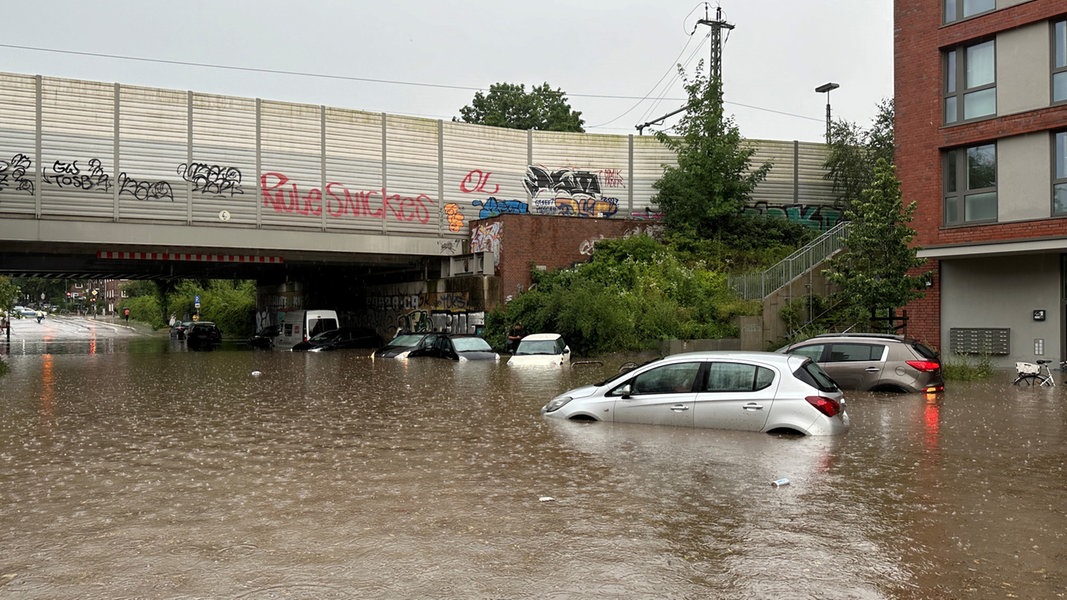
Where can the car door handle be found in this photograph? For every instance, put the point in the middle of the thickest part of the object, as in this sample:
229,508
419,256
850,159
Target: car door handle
873,369
752,406
679,408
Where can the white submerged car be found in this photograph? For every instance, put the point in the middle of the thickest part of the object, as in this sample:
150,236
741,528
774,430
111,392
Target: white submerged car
542,349
747,391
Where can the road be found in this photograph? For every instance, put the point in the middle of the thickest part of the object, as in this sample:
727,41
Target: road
68,327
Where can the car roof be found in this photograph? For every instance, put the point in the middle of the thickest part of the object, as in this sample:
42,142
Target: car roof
875,336
769,357
538,337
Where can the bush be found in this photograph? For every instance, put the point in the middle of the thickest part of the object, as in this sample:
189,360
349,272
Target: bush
967,367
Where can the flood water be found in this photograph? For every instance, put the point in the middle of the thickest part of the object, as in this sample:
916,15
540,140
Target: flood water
135,469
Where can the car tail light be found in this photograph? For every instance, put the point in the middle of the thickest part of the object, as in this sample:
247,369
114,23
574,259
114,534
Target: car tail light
924,365
827,406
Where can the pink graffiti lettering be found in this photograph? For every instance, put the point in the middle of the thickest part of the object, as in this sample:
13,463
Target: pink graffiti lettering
479,186
284,196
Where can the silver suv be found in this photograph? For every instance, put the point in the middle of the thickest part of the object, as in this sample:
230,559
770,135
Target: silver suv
874,362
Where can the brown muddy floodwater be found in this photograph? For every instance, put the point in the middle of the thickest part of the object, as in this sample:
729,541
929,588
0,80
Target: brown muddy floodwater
139,470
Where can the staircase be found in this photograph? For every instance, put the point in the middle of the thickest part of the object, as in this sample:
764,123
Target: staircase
758,286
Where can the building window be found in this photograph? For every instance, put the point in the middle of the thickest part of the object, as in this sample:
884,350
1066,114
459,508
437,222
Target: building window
1059,61
1059,173
956,10
970,82
971,185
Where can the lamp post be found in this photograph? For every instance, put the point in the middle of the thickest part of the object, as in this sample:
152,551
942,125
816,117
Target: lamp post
826,87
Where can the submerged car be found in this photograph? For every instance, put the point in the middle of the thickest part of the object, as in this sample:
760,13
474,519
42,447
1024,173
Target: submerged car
874,362
342,338
546,349
402,345
748,391
456,346
264,338
203,335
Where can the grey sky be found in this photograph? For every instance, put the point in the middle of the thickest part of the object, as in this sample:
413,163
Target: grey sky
606,56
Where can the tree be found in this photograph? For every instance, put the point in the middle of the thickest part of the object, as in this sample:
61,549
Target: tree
8,293
713,178
509,105
873,271
854,152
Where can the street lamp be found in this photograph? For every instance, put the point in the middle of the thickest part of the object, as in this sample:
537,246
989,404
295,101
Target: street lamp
826,87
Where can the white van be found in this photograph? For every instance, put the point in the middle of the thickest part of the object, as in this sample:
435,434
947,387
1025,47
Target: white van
295,326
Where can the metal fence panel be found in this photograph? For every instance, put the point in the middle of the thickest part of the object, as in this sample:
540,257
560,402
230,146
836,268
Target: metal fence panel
221,165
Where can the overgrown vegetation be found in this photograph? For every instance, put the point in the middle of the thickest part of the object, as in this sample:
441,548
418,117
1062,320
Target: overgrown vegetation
967,367
230,304
634,293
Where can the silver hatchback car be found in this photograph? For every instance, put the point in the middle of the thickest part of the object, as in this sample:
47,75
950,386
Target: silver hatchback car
749,391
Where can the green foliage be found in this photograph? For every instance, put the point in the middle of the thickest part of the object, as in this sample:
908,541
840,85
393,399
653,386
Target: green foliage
230,304
634,293
854,152
873,271
713,179
964,367
8,291
744,243
809,316
509,105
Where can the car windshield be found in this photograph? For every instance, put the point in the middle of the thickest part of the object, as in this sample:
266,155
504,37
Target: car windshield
326,336
471,344
537,347
405,341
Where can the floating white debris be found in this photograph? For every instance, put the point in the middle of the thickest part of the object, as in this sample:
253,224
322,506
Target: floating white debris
546,499
256,373
780,482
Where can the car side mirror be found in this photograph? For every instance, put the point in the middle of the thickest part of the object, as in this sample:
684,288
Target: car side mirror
625,391
566,349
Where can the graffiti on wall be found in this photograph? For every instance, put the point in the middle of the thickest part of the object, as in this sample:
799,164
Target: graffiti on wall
815,216
563,192
283,195
13,174
585,248
70,175
212,180
486,238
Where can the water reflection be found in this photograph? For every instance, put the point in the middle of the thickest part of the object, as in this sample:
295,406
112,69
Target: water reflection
150,471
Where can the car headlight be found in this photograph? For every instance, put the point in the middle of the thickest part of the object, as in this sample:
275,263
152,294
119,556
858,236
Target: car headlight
315,349
556,404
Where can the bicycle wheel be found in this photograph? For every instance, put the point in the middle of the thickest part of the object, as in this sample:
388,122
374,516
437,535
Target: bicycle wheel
1028,379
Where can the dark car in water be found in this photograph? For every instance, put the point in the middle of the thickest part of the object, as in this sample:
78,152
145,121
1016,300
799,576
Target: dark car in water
203,335
179,328
264,338
456,346
402,345
342,338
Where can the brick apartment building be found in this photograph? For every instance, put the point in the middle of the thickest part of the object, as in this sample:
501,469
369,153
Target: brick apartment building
981,133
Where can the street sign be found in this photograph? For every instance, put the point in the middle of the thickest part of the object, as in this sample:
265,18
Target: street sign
196,301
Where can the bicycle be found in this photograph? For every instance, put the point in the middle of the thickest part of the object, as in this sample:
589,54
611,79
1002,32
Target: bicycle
1036,373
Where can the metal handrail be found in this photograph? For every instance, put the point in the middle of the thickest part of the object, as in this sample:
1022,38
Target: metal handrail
752,286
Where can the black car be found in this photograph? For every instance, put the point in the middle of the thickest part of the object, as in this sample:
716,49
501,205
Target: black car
264,338
342,338
456,346
203,335
178,329
402,345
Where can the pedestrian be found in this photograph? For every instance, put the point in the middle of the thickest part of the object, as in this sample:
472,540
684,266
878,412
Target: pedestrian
40,315
514,337
126,315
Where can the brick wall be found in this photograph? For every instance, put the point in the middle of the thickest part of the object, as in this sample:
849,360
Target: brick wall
551,242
